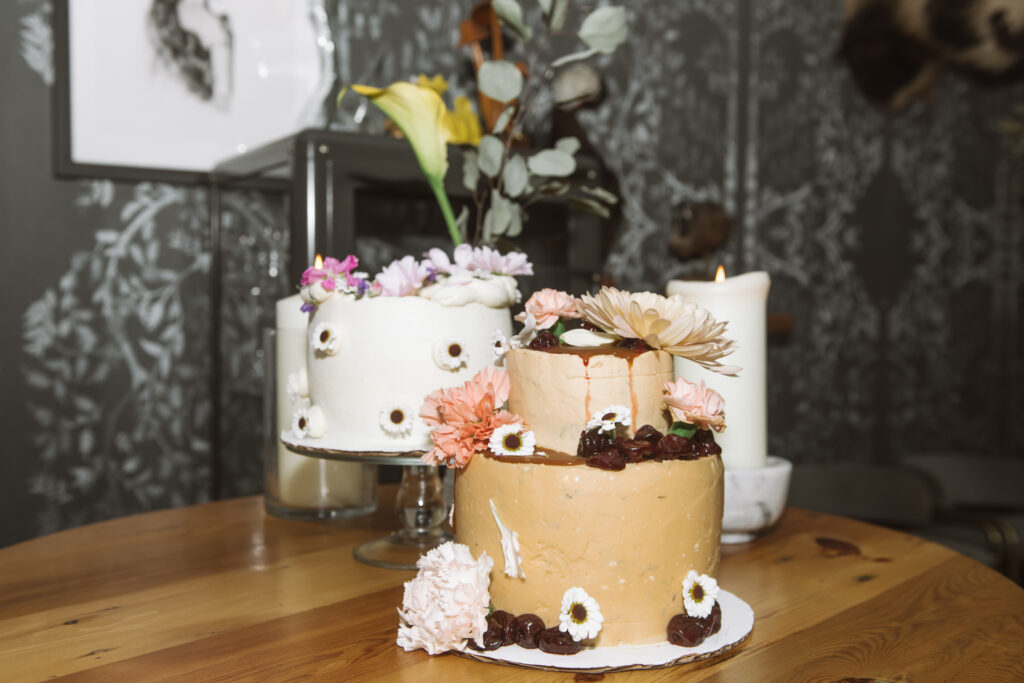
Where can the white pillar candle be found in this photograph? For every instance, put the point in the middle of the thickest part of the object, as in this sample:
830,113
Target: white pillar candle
742,302
304,481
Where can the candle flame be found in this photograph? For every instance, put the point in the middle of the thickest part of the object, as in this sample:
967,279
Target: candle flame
720,274
318,262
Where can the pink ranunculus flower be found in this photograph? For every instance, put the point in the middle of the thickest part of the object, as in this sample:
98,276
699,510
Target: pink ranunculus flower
695,404
547,306
446,605
401,277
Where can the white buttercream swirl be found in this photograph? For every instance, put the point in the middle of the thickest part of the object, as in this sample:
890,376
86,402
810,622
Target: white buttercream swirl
498,291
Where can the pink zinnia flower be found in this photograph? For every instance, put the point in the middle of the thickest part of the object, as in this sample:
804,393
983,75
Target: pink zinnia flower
695,404
547,306
401,277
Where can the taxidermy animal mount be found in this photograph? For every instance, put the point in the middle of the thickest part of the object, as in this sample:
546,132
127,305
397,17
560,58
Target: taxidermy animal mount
896,49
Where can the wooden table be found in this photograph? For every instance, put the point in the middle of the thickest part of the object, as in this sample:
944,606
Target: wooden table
223,592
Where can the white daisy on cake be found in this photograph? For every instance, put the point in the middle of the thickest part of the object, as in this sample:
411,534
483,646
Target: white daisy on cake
298,385
700,592
396,418
606,420
309,421
580,616
325,339
450,354
512,439
499,346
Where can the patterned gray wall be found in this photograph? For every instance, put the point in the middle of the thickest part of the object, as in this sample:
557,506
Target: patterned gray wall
894,242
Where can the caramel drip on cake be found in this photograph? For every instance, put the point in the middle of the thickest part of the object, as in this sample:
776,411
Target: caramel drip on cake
634,407
586,400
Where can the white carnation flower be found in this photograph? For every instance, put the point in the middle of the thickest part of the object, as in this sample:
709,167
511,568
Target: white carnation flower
447,603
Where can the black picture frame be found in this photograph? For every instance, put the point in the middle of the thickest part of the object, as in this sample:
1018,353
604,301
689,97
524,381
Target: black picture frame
73,19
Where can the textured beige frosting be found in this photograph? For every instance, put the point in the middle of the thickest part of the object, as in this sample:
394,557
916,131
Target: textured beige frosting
557,393
628,538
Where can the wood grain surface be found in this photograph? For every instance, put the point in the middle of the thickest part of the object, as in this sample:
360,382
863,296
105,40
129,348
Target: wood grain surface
223,592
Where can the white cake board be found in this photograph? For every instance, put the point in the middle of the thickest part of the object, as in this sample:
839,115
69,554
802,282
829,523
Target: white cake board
737,623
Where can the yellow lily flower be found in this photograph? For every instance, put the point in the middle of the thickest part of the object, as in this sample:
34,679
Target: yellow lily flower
436,83
421,115
463,124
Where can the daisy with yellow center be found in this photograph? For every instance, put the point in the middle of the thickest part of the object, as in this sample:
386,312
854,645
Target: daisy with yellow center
512,439
700,592
607,419
580,616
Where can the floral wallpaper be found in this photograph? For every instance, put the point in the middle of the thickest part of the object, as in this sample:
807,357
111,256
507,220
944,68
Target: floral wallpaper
895,243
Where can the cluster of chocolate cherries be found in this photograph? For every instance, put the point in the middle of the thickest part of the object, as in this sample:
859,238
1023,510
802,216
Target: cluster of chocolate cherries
610,452
690,631
526,630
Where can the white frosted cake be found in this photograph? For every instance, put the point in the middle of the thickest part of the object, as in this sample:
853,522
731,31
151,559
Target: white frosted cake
377,347
593,504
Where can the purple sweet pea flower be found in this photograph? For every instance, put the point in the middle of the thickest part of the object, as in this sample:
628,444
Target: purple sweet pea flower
308,307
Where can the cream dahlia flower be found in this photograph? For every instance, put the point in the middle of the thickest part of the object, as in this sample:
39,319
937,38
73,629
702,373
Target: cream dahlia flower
671,324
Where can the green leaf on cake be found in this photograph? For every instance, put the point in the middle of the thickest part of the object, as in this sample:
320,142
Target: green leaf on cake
682,429
559,329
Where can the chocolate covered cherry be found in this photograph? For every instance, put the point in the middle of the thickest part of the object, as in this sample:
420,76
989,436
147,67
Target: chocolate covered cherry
556,642
685,631
528,628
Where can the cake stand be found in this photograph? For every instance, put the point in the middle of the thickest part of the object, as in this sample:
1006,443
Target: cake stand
419,505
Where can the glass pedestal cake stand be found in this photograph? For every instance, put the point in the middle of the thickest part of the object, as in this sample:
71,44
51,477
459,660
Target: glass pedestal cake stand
419,505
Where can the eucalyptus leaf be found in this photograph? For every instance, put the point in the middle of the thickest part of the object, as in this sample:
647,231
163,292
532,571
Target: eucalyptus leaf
601,193
514,176
589,205
462,222
554,188
515,223
500,80
569,145
489,154
545,6
574,57
503,118
470,170
604,29
551,162
498,216
556,18
511,14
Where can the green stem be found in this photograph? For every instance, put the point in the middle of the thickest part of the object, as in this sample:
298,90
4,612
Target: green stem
446,210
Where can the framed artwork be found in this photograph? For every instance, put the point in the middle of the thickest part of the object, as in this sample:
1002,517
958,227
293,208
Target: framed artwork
165,89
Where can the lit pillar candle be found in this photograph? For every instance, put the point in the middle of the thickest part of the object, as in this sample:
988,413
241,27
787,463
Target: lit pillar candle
303,481
742,302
